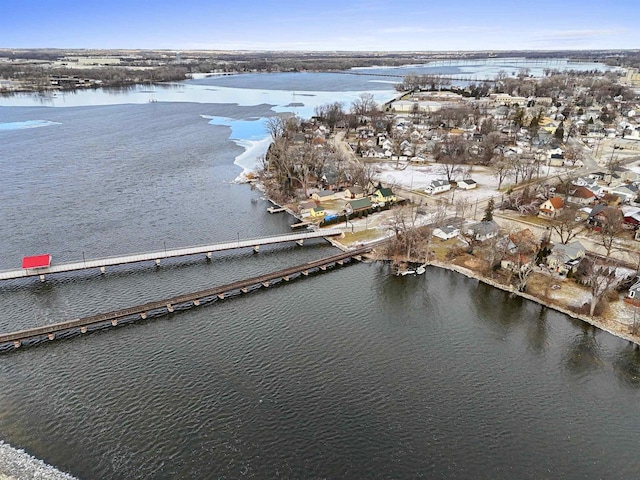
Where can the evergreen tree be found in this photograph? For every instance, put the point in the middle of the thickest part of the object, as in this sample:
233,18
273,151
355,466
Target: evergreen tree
559,133
488,212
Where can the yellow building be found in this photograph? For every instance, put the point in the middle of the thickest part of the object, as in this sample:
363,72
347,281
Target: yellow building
633,76
317,212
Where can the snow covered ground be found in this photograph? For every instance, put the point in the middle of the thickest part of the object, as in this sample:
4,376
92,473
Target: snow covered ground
417,177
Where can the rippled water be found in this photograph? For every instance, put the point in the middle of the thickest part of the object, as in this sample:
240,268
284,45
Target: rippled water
349,374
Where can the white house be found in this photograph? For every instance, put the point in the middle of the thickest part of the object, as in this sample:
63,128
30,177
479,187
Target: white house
437,186
446,233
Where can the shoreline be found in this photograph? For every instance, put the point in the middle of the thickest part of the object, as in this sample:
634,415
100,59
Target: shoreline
593,321
17,464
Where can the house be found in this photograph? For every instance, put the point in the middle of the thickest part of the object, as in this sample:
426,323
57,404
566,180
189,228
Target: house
482,231
581,196
305,207
354,192
357,205
446,233
323,195
382,195
437,186
467,184
565,258
634,292
551,207
602,215
628,192
317,212
611,199
588,182
631,216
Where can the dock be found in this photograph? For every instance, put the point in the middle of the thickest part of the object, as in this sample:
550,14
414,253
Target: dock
276,209
33,336
300,225
157,256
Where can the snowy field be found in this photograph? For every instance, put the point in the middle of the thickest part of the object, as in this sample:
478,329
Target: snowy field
417,177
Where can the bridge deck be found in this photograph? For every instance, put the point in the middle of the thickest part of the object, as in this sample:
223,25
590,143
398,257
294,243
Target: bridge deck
190,299
158,255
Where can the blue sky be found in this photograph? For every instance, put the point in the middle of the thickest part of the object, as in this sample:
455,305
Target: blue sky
404,25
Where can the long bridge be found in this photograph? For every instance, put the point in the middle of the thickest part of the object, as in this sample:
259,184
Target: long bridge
37,335
103,263
443,76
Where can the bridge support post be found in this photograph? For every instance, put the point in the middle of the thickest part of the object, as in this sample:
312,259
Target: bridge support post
196,302
323,267
221,296
157,261
300,242
83,329
286,278
51,336
103,269
42,278
305,273
114,323
16,344
170,308
209,255
265,284
143,315
340,262
244,289
256,248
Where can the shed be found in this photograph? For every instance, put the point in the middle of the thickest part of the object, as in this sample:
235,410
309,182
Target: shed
467,184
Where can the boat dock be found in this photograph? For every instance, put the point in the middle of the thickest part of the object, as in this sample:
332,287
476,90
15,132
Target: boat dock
157,256
34,336
300,225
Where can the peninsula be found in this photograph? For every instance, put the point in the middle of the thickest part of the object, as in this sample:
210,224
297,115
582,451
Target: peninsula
528,184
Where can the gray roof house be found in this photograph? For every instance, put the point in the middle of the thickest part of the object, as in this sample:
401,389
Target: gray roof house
565,258
482,231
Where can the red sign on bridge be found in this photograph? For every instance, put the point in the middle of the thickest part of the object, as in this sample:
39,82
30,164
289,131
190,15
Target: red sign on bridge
36,261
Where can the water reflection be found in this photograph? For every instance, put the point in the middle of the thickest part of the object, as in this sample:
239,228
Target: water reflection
583,355
537,331
626,365
497,308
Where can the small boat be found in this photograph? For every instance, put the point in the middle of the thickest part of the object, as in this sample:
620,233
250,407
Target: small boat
421,269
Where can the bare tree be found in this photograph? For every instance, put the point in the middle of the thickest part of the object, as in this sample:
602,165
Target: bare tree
566,224
449,170
610,226
331,113
501,169
275,126
364,105
362,174
601,279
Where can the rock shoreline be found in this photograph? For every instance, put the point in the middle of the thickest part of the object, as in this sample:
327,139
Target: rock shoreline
16,464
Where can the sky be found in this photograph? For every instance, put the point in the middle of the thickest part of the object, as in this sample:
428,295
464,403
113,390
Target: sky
326,25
